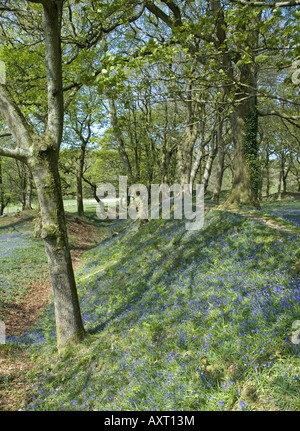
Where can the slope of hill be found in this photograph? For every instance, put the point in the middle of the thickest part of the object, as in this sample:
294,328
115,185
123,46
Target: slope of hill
179,320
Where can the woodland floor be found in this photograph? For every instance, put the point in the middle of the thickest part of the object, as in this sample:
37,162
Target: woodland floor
15,365
21,316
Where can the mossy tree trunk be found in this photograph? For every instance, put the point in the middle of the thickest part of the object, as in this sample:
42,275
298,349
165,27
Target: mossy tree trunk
244,122
41,154
244,125
267,168
69,327
244,118
220,152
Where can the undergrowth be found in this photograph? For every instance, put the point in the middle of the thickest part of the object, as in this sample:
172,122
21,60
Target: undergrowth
178,320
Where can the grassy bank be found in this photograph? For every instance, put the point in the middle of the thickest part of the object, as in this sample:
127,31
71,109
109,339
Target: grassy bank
178,320
20,252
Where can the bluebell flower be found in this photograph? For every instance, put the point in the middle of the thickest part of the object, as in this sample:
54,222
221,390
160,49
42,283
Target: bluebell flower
243,405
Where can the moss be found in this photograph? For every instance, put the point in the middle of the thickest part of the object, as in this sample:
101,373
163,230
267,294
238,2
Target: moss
50,231
74,340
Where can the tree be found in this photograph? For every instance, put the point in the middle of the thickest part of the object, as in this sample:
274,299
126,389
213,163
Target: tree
41,154
231,42
84,118
4,197
39,145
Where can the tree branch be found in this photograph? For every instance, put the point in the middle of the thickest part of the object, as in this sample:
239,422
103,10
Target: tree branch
291,120
15,153
5,135
22,10
14,119
159,13
273,4
176,11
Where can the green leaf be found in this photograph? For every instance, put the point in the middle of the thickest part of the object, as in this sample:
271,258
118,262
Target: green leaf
261,57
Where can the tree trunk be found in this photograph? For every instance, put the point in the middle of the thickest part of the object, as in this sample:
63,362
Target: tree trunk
267,167
28,190
196,165
69,327
186,148
185,164
297,178
208,165
268,184
244,124
284,178
284,183
79,196
41,153
279,190
2,204
281,176
219,174
165,161
80,206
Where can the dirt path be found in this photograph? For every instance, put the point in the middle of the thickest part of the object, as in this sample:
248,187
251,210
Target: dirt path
21,316
274,224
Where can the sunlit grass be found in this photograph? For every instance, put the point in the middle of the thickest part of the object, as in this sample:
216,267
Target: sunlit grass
287,210
19,253
179,320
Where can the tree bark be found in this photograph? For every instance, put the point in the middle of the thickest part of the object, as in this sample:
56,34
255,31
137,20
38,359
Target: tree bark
221,156
208,165
219,174
267,168
281,176
3,201
80,206
41,153
27,192
244,125
186,148
196,165
244,119
69,327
